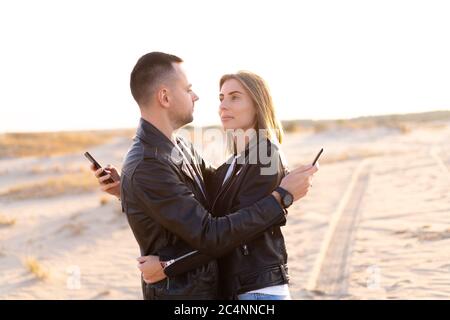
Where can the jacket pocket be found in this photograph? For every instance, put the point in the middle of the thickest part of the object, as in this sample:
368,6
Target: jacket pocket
264,275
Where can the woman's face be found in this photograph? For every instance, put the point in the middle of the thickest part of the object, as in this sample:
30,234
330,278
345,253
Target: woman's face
237,110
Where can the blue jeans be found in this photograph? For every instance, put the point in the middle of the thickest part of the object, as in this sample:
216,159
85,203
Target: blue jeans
262,296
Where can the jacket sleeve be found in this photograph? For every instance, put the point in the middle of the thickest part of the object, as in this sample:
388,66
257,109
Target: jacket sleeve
254,187
162,195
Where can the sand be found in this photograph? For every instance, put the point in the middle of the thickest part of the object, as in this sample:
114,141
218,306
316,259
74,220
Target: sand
375,225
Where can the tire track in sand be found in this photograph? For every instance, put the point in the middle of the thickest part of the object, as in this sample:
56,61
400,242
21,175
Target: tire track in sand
330,272
434,153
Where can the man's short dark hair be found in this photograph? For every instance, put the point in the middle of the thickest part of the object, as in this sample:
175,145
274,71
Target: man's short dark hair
149,71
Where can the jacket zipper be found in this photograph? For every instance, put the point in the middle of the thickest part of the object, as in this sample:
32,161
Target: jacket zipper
168,263
226,186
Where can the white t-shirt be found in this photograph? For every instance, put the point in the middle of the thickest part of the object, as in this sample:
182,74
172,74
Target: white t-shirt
230,169
280,290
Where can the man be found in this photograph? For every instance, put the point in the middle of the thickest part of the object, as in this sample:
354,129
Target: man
163,192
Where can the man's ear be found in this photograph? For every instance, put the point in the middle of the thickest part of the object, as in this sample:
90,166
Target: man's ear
163,97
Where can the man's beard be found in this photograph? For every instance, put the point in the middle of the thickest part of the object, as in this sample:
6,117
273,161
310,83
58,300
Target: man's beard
188,119
182,120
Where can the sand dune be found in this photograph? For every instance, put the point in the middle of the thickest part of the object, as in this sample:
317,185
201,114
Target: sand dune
376,224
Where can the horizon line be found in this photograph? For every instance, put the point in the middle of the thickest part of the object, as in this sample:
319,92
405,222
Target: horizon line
218,125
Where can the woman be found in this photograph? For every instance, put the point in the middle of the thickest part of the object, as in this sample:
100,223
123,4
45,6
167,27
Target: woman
257,269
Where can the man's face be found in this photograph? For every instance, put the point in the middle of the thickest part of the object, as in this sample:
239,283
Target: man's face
182,98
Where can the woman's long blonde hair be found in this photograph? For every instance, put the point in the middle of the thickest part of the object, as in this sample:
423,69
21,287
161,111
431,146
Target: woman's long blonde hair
260,95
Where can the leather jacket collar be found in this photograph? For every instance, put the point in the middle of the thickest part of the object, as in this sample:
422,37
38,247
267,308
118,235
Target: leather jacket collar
151,135
180,156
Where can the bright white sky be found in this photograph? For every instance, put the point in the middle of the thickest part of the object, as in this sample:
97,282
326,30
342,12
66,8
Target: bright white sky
65,65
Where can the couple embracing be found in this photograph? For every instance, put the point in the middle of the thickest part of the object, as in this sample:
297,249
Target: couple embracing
205,232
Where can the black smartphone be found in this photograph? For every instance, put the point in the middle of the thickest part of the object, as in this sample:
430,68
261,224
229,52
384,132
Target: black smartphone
317,157
97,166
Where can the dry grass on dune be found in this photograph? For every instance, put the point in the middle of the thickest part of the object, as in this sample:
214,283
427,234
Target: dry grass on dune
104,200
6,221
65,184
404,123
402,127
54,143
73,228
36,268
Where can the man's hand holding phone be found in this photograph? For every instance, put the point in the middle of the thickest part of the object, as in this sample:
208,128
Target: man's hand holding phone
113,188
108,177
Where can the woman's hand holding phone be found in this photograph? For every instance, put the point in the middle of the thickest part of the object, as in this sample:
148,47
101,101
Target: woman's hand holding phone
299,181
